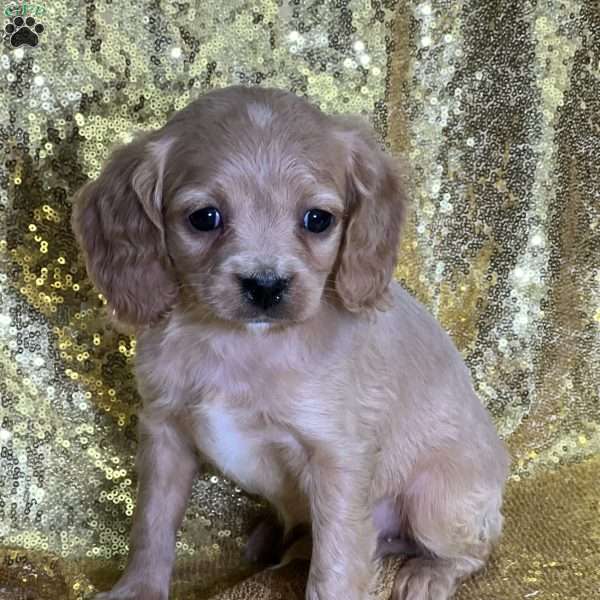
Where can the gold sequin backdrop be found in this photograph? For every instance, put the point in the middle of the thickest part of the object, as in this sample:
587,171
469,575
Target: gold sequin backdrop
496,107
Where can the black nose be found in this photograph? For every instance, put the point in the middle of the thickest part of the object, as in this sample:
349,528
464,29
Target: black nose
264,290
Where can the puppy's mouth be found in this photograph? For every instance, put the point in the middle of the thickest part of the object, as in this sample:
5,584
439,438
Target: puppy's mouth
266,319
261,321
260,326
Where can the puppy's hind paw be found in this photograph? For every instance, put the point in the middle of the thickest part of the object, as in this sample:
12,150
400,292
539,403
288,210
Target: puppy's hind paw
424,579
265,544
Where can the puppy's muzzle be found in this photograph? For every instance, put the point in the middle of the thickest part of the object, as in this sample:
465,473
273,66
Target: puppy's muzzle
264,290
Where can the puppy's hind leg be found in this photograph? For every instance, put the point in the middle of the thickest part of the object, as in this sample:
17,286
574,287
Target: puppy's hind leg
275,534
456,521
392,537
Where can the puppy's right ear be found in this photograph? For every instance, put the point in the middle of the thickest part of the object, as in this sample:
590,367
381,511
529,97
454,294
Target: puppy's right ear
117,220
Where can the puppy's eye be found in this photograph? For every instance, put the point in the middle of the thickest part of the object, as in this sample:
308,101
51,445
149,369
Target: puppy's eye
317,220
206,219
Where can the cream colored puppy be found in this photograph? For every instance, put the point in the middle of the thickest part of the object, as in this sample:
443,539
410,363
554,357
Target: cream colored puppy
252,242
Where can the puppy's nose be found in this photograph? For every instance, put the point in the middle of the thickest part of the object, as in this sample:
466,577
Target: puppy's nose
264,290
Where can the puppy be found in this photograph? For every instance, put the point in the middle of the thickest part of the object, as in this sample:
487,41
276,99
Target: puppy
251,242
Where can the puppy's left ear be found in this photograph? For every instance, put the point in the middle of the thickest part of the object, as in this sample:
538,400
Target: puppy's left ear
376,204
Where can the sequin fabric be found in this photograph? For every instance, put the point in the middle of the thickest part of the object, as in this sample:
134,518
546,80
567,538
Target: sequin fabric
495,107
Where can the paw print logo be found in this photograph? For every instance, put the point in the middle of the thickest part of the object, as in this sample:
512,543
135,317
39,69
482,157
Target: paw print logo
24,32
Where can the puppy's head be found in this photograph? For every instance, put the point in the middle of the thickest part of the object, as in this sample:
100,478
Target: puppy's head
251,205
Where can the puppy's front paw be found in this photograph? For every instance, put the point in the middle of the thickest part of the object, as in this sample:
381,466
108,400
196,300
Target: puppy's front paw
334,591
139,591
424,579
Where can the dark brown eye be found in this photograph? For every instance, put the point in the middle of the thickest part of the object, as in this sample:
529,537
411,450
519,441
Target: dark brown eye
317,220
206,219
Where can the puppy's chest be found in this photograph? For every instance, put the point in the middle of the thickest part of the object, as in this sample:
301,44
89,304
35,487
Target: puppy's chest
240,441
242,403
243,418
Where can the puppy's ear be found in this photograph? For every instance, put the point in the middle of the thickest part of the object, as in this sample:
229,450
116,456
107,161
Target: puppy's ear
375,212
117,220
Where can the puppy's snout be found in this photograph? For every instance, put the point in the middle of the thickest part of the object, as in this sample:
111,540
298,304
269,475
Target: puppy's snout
264,290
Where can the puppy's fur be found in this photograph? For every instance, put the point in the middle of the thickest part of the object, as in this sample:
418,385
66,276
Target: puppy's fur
344,404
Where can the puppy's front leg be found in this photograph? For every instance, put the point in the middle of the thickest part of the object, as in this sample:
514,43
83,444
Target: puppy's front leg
344,536
166,466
